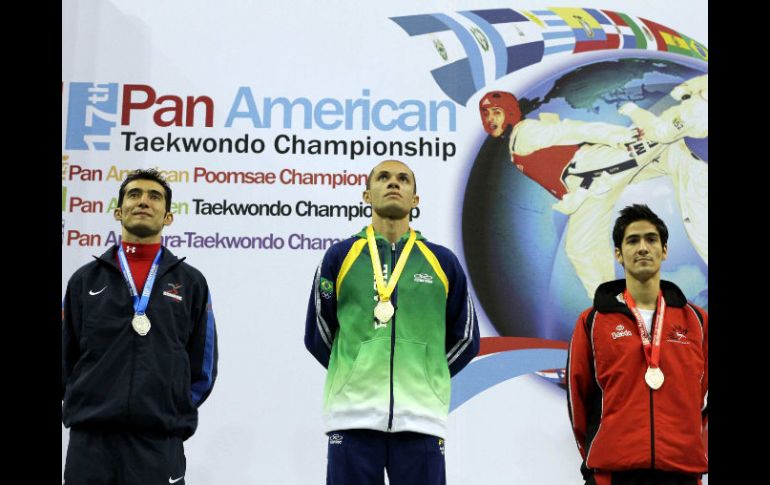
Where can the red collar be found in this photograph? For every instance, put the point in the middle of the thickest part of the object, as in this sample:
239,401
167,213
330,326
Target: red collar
138,251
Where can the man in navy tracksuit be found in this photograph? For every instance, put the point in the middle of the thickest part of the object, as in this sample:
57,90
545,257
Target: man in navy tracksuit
139,350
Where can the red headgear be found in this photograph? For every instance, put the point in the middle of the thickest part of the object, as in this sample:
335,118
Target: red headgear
505,101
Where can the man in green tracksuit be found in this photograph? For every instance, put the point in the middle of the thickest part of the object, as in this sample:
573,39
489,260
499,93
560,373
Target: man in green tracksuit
390,317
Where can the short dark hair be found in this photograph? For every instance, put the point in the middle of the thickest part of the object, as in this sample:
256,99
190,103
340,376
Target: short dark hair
633,213
145,174
371,174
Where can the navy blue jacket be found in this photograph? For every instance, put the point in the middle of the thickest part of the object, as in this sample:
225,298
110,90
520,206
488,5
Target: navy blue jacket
115,379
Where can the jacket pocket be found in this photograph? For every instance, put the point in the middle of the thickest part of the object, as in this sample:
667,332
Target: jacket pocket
420,377
366,380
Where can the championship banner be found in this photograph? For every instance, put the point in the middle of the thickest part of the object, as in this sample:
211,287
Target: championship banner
266,118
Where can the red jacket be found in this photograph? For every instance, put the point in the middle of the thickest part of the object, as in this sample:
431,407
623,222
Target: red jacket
618,421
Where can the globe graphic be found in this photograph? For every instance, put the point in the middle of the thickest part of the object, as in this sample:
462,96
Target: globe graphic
512,238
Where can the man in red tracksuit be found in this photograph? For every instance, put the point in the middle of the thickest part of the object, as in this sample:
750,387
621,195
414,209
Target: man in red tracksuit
638,369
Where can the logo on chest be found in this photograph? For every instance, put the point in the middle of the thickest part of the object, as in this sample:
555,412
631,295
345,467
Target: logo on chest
678,335
173,292
620,332
423,278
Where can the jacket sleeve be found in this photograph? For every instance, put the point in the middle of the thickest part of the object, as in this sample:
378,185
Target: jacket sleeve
531,135
581,383
462,327
202,348
705,381
689,118
321,322
70,333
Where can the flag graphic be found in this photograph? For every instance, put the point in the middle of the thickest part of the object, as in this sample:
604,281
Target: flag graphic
612,32
559,37
517,42
476,47
672,41
628,30
588,32
467,50
460,70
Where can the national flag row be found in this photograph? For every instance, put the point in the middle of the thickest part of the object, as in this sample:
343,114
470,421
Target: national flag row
472,48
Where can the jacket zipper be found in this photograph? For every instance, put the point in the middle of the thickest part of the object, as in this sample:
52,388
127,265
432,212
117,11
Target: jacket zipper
652,432
392,334
652,409
131,381
133,364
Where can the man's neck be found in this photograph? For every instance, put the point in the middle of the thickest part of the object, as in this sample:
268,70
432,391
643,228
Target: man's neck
126,236
392,229
644,293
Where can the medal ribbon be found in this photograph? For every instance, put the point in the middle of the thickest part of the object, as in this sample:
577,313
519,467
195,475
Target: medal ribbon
651,349
383,291
140,303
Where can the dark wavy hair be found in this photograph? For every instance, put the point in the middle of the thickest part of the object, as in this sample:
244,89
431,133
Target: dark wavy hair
633,213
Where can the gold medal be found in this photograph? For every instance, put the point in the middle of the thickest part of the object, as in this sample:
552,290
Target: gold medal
384,310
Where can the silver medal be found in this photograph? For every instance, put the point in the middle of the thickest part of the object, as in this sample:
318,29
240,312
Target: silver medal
654,377
384,311
141,324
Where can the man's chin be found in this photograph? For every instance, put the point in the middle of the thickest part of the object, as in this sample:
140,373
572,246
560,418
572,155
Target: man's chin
391,212
644,274
142,231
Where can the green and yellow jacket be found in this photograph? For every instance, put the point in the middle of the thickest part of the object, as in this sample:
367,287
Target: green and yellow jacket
396,376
